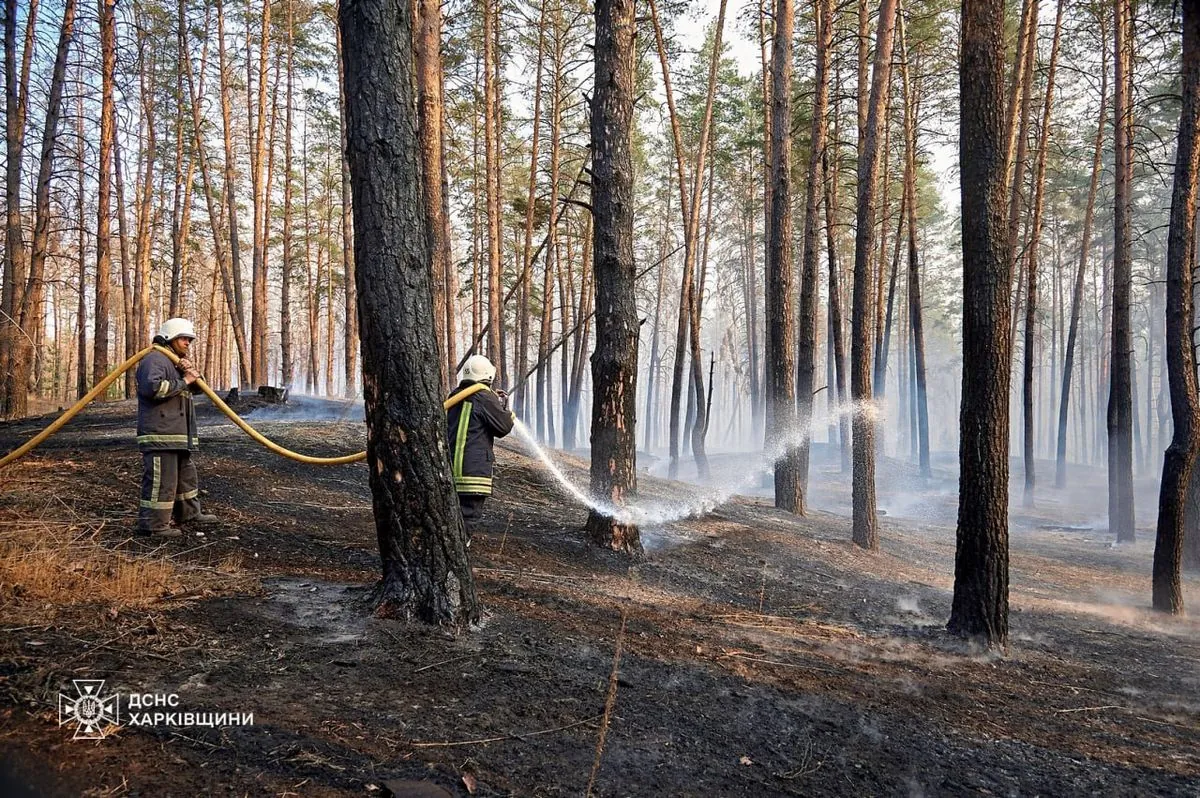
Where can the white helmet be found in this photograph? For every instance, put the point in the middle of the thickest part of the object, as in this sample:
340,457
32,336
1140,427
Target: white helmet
176,328
479,369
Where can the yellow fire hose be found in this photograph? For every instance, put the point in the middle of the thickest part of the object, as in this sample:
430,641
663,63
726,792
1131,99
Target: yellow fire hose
103,385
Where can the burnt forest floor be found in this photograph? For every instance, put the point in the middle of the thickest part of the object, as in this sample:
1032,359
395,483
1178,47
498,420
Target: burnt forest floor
762,654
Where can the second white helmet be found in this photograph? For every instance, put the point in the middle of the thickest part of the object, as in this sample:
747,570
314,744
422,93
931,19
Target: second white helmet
176,328
479,369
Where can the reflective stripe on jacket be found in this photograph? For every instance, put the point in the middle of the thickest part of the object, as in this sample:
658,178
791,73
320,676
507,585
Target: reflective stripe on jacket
166,416
472,427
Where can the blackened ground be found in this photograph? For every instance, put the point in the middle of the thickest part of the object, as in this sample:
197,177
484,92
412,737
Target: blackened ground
762,654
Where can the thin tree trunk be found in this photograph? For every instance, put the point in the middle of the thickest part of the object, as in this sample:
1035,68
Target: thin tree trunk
126,275
522,353
230,278
285,302
491,134
835,313
108,55
1120,399
34,292
237,306
914,274
258,305
350,295
81,373
807,344
1031,282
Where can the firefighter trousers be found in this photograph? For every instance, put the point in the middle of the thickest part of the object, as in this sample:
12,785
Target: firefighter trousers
170,487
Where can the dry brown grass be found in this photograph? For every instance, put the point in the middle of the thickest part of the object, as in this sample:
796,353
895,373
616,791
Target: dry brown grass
64,565
55,555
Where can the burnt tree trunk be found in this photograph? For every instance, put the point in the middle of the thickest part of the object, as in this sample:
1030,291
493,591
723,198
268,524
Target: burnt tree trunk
980,604
1120,390
781,352
422,541
865,523
1180,458
614,361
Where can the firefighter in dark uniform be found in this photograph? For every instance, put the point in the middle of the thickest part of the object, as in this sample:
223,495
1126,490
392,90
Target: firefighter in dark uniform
472,427
167,435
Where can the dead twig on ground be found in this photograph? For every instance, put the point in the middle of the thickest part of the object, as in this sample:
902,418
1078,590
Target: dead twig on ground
483,740
505,537
609,702
443,662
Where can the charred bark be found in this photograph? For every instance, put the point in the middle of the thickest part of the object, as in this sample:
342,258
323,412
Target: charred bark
422,541
1180,459
980,605
614,361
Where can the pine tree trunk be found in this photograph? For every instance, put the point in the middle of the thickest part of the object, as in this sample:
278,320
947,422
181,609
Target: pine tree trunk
237,306
1120,394
422,541
1060,471
1179,462
491,135
81,374
108,56
285,301
13,399
614,360
522,353
806,349
909,204
28,312
258,304
230,275
1031,282
980,605
126,275
837,323
865,524
781,352
350,343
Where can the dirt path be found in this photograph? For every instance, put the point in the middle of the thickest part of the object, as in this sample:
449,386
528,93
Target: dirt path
762,654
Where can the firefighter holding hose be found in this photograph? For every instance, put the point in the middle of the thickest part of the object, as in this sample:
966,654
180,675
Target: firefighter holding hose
167,435
472,427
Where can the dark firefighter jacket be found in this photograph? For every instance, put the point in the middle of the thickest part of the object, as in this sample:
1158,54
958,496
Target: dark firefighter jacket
472,426
166,417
